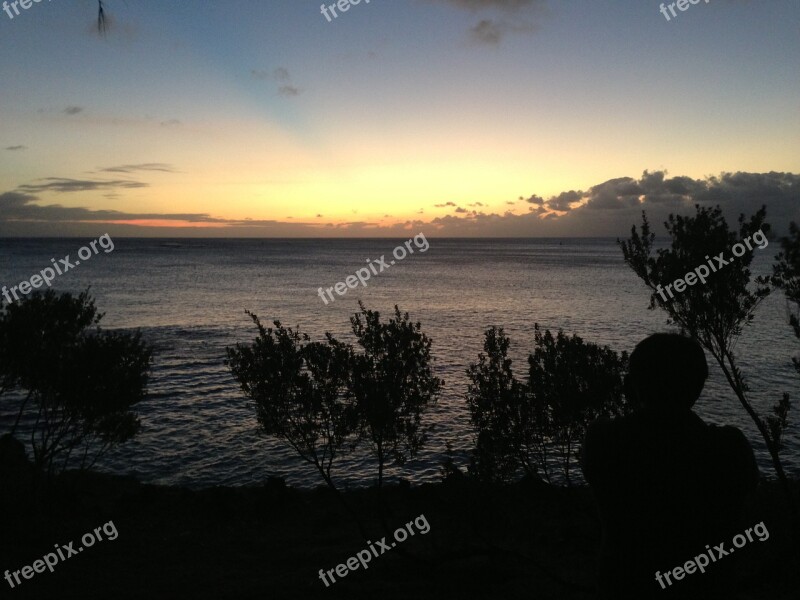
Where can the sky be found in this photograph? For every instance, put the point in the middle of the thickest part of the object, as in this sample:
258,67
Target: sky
459,118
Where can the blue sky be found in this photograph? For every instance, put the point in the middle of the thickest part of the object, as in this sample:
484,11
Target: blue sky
468,117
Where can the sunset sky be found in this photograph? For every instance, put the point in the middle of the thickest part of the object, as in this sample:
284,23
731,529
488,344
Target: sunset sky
453,117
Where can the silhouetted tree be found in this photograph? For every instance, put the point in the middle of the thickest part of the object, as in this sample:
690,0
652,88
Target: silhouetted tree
787,277
715,311
495,400
323,398
576,382
78,383
299,391
570,383
392,382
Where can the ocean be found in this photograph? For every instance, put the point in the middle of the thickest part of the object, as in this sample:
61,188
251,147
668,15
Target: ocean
189,296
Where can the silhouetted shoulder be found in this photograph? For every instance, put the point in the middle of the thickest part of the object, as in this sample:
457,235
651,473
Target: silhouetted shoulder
596,448
731,436
736,457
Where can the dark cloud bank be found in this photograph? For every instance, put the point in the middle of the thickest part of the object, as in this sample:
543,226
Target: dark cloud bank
606,209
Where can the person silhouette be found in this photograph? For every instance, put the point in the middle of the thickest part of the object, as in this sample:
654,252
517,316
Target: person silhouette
667,485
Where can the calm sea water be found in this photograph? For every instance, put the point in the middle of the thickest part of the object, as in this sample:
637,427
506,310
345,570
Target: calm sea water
189,296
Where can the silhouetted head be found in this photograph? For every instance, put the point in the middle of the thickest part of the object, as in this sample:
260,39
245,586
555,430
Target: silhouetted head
666,371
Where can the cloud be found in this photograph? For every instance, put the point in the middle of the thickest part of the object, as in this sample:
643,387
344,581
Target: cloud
281,74
477,204
607,209
15,199
170,123
492,30
20,214
564,201
621,200
488,31
534,199
615,194
16,148
65,185
288,90
507,5
741,190
162,167
20,207
445,204
73,110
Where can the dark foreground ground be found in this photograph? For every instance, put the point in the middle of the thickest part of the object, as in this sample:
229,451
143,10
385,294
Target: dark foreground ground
526,541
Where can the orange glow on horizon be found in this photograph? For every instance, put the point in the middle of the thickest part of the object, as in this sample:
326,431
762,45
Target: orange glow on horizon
168,223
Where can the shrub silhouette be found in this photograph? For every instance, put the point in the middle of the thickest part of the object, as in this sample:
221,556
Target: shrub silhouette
298,388
508,436
392,383
787,277
577,382
79,382
714,312
529,427
324,398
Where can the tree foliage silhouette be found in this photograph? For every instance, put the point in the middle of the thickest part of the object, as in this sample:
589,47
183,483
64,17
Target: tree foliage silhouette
299,391
324,398
787,277
524,427
508,436
78,383
392,382
576,382
714,312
